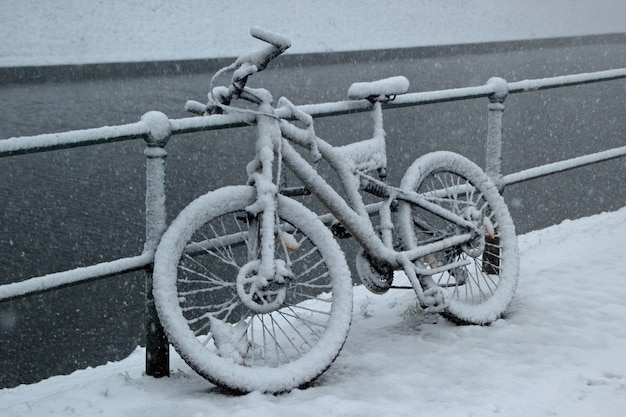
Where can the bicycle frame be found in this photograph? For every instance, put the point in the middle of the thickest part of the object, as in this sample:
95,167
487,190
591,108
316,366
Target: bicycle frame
352,212
251,286
350,162
274,142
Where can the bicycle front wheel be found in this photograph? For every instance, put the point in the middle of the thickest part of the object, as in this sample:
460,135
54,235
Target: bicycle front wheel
480,291
234,331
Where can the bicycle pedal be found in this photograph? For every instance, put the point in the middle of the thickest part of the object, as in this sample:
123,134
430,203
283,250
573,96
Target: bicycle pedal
295,191
339,231
436,300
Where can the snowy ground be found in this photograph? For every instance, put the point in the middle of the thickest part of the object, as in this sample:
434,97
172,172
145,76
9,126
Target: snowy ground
559,352
36,32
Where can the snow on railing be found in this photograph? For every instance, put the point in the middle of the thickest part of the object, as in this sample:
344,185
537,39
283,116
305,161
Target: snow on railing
156,129
138,130
72,139
74,276
561,166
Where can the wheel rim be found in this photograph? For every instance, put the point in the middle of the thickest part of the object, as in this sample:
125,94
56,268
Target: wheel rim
477,282
209,297
217,334
480,291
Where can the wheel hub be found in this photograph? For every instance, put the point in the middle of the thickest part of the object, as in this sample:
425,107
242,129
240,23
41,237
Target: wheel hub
476,246
259,293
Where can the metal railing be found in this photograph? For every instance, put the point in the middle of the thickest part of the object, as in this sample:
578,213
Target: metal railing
156,129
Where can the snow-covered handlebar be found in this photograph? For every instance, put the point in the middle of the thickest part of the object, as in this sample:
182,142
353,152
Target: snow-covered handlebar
251,63
243,67
279,44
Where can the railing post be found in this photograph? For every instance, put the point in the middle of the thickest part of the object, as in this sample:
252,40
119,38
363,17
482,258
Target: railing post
157,346
493,163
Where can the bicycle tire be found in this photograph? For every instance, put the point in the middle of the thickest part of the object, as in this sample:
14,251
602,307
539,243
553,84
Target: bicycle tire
201,307
480,292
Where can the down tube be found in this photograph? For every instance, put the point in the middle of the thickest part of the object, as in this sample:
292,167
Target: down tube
360,228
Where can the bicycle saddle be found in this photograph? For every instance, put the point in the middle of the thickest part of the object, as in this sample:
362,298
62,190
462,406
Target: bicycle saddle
380,89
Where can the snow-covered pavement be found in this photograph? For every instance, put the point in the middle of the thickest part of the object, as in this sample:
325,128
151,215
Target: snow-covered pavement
558,352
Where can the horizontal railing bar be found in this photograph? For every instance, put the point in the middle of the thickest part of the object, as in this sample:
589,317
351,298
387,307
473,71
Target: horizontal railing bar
214,122
344,107
138,130
566,80
564,165
72,139
72,277
464,93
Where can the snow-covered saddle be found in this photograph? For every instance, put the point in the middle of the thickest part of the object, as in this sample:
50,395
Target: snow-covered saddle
380,89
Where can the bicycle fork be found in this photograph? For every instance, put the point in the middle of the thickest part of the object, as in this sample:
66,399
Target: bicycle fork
261,283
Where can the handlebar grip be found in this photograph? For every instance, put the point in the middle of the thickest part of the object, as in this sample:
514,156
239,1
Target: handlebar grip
249,64
279,41
278,45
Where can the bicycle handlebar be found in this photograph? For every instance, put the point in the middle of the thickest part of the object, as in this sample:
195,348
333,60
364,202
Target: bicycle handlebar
243,67
278,42
252,63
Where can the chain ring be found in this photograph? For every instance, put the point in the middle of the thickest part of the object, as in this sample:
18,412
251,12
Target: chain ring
374,279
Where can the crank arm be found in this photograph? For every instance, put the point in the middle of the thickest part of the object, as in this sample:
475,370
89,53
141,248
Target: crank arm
430,296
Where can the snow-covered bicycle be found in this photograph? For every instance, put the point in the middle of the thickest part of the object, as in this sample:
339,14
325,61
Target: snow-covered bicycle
253,289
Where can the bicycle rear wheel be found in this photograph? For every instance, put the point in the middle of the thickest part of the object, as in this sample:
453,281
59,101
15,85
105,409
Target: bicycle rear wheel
481,291
223,324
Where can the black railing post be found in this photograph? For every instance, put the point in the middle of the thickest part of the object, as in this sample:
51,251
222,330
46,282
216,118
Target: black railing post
157,346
